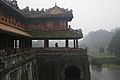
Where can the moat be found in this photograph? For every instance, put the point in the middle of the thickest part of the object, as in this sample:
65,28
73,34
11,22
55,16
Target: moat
105,73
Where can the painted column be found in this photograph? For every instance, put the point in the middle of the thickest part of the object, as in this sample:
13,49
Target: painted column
23,44
20,44
28,43
67,43
6,45
76,43
12,43
15,46
46,43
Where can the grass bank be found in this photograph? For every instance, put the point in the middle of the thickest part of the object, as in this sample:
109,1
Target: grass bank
104,60
111,66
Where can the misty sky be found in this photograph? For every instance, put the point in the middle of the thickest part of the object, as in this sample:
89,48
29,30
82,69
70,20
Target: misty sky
89,15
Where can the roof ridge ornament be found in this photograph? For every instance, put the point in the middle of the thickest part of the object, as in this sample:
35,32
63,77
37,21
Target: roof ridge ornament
55,4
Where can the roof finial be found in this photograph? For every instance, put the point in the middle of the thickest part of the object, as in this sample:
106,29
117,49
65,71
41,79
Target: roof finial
55,4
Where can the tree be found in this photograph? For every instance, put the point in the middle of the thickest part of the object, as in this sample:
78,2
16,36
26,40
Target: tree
114,45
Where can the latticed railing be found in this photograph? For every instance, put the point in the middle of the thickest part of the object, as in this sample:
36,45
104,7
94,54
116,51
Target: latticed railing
61,50
14,60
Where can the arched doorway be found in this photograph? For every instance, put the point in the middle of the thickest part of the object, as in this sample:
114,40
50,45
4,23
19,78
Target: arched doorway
72,73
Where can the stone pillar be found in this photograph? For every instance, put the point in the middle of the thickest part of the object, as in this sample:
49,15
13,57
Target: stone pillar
20,44
12,43
6,45
9,44
15,46
27,43
23,44
2,44
30,43
46,43
76,43
67,43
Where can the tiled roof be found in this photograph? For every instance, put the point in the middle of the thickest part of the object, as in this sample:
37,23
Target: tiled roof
48,13
55,34
10,29
54,12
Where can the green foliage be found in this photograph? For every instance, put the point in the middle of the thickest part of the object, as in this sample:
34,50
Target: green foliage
99,61
94,40
114,45
95,61
101,50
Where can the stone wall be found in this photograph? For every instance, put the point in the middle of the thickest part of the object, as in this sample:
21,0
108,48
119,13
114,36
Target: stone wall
53,67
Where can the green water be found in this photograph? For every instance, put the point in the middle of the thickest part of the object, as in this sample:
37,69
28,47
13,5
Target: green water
99,73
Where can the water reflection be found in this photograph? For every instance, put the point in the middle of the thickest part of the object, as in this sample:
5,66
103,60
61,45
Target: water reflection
99,73
96,68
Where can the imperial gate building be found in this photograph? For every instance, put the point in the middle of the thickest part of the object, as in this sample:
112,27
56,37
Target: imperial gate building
20,61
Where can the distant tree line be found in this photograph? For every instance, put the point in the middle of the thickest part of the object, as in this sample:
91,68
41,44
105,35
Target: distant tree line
114,45
97,41
103,41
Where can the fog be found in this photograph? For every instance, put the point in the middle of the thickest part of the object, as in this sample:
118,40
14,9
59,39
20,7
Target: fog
89,15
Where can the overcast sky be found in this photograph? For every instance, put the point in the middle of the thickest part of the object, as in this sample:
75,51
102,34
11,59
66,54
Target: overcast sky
89,15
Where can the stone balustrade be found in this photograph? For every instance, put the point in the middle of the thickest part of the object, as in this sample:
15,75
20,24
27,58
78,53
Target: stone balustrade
14,60
61,50
10,61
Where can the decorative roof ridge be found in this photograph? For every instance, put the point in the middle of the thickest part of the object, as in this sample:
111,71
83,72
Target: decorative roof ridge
37,13
43,11
12,4
62,9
